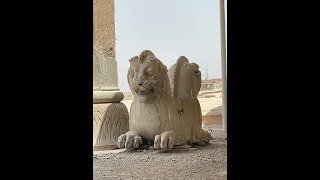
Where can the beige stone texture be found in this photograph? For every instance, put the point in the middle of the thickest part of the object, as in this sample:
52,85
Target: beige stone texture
165,110
107,96
110,116
110,120
104,26
105,75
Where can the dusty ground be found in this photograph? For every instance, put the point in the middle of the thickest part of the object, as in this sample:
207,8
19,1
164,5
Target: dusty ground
203,163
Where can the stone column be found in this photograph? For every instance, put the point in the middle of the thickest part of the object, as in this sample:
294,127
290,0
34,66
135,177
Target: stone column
224,67
110,116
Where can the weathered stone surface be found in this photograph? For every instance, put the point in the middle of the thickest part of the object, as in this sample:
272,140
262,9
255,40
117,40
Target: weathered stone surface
110,120
165,109
110,116
107,96
104,26
105,75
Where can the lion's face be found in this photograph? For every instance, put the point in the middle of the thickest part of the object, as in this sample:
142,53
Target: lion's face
145,78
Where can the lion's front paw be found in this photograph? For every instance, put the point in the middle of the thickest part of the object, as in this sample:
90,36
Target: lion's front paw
130,140
164,140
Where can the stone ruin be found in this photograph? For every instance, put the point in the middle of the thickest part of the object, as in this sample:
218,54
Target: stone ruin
165,111
110,116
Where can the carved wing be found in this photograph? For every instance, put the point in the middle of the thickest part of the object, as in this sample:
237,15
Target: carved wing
185,82
185,79
173,75
130,73
196,80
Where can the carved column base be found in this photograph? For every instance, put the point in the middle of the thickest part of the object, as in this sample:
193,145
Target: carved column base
110,120
107,96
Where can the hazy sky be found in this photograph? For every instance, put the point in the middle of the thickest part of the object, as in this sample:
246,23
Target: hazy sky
169,28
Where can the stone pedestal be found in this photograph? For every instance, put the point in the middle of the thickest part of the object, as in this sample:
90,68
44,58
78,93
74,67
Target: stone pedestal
110,120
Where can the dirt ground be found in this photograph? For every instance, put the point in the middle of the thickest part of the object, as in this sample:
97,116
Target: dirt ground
202,163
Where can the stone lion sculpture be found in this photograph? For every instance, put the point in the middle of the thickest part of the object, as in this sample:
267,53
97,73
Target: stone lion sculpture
165,110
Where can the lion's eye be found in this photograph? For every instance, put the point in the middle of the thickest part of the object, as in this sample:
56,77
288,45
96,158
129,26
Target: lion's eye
136,70
149,73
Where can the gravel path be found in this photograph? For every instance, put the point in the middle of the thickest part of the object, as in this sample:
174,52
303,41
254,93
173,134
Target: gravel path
204,162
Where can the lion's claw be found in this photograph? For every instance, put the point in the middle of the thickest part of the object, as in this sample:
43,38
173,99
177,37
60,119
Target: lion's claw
164,140
130,140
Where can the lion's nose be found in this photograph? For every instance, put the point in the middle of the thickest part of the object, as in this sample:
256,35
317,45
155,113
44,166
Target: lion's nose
138,83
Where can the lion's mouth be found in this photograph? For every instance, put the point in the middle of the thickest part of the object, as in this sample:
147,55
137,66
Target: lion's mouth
145,92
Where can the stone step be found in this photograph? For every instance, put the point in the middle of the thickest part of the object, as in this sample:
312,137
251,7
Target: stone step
211,120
